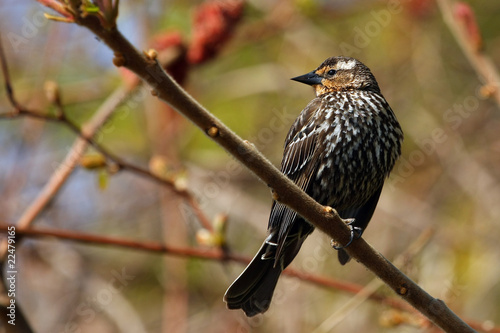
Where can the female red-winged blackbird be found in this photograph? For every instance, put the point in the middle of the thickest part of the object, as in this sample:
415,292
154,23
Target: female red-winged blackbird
339,151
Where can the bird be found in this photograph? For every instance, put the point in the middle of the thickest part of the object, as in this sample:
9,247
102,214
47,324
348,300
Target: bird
339,150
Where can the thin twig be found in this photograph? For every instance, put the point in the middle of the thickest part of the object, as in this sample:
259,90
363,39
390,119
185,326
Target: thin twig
6,76
148,246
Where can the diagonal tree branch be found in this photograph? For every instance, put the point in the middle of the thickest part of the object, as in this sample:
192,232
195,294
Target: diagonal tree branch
72,159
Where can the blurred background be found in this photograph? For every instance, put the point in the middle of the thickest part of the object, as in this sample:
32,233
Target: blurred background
447,183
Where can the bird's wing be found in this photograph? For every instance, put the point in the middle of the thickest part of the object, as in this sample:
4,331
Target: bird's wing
298,165
300,142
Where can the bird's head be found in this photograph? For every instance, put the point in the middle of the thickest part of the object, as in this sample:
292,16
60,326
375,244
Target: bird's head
340,74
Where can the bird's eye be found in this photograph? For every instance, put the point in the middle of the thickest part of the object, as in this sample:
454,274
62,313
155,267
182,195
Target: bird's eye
331,72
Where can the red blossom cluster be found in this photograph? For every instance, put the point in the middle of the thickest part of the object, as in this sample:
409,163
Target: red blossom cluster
465,15
420,9
212,27
172,42
213,24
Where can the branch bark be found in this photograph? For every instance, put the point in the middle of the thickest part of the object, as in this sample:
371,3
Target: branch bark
324,218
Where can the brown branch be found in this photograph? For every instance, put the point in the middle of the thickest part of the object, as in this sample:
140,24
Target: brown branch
324,218
471,47
125,243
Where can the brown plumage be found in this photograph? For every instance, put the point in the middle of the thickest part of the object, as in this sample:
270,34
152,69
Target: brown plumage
339,151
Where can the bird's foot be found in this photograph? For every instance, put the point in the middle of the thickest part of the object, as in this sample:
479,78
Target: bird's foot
356,233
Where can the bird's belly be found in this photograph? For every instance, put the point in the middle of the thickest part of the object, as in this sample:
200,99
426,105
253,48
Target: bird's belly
347,178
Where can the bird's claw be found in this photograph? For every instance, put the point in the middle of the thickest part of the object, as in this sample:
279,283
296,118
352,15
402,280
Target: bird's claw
356,233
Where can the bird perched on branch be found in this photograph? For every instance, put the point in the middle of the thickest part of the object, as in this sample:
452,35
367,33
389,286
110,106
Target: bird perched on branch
339,150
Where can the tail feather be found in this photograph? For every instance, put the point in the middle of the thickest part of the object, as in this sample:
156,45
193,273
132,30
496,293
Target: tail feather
253,289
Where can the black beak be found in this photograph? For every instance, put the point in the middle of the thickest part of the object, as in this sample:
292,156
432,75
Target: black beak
309,78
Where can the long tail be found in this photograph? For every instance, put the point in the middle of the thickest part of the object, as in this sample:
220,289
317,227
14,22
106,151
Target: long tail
253,290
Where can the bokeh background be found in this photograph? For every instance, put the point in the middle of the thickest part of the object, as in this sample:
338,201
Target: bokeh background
446,183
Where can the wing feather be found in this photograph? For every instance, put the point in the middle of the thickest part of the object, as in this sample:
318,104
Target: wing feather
300,143
298,165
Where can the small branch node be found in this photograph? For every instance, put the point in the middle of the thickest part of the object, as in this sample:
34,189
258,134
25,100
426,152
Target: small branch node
113,168
275,195
329,210
54,96
151,54
119,60
213,132
93,161
488,90
402,290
